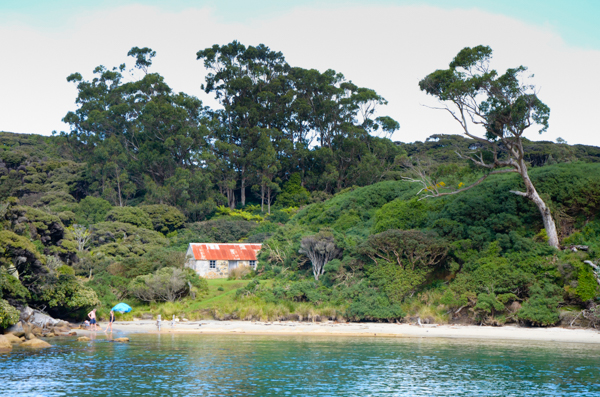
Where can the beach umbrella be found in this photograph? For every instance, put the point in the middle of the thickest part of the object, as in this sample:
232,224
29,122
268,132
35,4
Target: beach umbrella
121,307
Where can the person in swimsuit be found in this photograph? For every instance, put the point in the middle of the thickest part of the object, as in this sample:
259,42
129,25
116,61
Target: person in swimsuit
111,320
92,316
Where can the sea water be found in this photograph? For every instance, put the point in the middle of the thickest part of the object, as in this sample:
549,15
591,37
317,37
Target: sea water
247,365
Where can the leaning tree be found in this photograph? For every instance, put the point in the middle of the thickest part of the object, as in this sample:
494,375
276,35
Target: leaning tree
475,95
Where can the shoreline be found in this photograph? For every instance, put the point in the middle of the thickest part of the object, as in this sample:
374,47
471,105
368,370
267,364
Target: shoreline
390,330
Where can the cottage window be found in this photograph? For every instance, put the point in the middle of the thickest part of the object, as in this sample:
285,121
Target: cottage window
253,263
212,264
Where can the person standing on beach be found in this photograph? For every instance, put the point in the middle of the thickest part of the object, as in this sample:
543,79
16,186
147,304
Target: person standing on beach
92,316
111,320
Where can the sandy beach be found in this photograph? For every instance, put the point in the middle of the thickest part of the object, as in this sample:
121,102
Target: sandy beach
555,334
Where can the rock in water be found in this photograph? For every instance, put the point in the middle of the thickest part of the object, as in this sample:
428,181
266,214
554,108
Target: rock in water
37,318
35,344
5,344
83,339
12,338
29,336
121,340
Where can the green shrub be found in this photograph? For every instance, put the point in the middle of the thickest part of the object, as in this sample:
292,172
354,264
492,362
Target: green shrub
13,246
403,215
165,285
489,304
92,210
8,315
223,230
293,194
11,287
132,215
374,306
67,270
587,286
541,307
66,293
164,218
399,261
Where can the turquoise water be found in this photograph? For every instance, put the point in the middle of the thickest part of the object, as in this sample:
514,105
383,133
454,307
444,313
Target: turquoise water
245,365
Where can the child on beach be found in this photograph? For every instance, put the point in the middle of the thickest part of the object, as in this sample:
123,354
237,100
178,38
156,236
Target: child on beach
111,320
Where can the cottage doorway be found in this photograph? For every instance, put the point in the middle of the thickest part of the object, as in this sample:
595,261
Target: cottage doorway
233,264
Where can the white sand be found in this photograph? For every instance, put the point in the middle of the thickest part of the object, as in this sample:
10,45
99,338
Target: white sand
555,334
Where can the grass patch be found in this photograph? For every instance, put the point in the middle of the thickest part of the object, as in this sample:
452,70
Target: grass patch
221,302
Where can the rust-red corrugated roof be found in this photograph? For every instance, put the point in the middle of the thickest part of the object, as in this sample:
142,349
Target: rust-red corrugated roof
230,252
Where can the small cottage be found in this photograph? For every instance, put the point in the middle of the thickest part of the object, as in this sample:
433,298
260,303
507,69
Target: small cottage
216,260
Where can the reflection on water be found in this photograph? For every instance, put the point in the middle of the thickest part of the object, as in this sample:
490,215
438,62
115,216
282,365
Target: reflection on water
245,365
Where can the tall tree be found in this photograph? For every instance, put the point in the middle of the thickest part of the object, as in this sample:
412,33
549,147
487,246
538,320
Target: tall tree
140,128
475,95
249,82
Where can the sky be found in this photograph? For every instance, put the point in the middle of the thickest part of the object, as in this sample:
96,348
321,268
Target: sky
386,45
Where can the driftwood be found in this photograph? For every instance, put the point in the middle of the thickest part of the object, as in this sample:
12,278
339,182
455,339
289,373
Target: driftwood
576,248
596,270
580,313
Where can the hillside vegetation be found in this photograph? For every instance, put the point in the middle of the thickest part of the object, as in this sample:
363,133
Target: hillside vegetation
397,257
105,212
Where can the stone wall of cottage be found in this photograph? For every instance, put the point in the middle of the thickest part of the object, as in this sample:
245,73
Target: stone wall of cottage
221,271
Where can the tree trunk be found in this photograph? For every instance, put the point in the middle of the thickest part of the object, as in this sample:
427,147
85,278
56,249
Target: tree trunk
262,197
533,195
119,186
243,190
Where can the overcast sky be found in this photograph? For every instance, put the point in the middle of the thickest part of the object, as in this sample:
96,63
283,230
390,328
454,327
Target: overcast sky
385,45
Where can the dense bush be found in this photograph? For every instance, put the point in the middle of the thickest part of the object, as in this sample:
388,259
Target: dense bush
64,293
164,218
293,194
167,284
132,215
8,314
542,306
373,306
92,210
221,230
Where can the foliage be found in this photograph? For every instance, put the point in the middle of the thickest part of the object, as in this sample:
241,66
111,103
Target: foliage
224,230
64,292
13,246
400,261
293,194
374,306
304,140
320,249
541,308
92,210
8,314
505,106
167,284
164,218
11,287
404,215
132,215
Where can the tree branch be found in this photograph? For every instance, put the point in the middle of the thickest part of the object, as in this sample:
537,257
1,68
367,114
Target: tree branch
483,178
